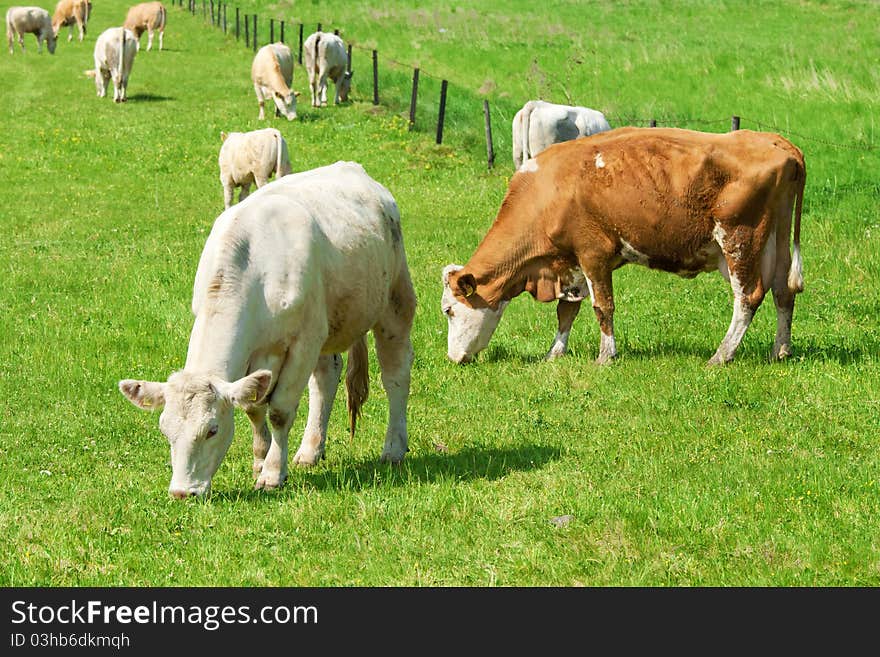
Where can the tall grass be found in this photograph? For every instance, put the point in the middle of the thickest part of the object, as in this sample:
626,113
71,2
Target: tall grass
671,473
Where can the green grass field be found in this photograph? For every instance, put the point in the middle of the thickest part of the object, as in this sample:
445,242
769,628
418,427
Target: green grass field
673,474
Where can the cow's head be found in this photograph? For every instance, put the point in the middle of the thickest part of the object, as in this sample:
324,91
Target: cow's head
286,103
197,418
50,42
470,329
345,85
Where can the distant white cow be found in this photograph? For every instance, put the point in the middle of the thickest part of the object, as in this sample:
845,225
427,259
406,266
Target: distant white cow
288,280
114,56
251,157
147,17
29,20
69,13
272,75
326,57
540,124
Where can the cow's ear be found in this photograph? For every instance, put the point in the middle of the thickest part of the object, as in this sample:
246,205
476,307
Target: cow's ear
449,269
147,395
250,390
223,136
465,285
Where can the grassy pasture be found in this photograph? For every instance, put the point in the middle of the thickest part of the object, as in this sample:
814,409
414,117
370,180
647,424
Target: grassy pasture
672,474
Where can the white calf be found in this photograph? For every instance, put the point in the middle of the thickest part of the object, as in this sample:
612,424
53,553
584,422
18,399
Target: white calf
251,157
29,20
114,56
289,279
272,75
326,57
539,125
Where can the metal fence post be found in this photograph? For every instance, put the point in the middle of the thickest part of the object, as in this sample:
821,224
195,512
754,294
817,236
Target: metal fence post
412,102
349,59
271,30
300,56
442,114
255,33
375,77
734,123
282,32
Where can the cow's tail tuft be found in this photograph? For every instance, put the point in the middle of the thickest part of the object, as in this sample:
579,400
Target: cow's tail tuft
10,31
357,380
795,271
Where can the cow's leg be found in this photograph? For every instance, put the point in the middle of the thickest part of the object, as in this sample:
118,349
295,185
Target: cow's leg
599,272
394,351
149,40
70,33
283,404
260,101
322,84
783,297
161,38
566,311
102,79
262,438
748,293
245,190
322,392
260,180
228,193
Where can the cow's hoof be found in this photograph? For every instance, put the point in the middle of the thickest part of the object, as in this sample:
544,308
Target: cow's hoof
553,354
307,458
717,360
269,482
605,359
781,353
393,456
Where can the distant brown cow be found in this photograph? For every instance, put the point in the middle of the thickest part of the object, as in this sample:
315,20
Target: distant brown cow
677,200
69,13
147,17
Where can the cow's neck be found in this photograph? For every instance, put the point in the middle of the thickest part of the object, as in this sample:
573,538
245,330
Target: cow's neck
219,345
508,257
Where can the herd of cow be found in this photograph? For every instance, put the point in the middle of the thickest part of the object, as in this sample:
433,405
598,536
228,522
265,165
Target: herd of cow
300,271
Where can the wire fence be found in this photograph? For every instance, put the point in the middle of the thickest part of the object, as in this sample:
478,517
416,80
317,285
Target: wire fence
432,91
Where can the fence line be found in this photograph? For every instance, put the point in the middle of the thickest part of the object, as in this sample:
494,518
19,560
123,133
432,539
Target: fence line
251,41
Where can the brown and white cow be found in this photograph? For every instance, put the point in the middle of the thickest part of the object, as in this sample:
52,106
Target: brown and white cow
676,200
114,57
272,75
251,157
69,13
326,58
147,17
29,20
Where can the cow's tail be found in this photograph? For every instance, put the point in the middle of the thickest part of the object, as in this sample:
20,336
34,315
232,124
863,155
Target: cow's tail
795,271
315,62
119,63
161,25
357,380
282,157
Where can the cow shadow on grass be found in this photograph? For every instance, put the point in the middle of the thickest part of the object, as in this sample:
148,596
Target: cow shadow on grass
148,98
465,465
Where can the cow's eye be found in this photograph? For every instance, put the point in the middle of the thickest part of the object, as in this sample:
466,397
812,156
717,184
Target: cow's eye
448,311
212,431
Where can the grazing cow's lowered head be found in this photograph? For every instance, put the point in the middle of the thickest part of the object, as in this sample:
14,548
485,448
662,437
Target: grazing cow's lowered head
197,418
470,327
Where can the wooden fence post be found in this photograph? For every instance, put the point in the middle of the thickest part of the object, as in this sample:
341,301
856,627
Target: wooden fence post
442,114
255,33
212,13
271,30
282,32
412,102
247,30
336,32
734,123
319,27
204,9
375,77
300,57
237,24
349,59
653,123
224,17
490,150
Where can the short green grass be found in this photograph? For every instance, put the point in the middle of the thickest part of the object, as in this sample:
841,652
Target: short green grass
672,474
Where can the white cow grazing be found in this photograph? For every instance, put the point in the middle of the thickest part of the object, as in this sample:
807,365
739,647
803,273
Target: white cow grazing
251,157
272,75
29,20
326,57
289,279
540,124
70,13
114,56
149,17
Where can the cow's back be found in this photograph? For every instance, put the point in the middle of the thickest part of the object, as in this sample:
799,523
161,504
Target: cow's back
328,238
270,60
245,153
